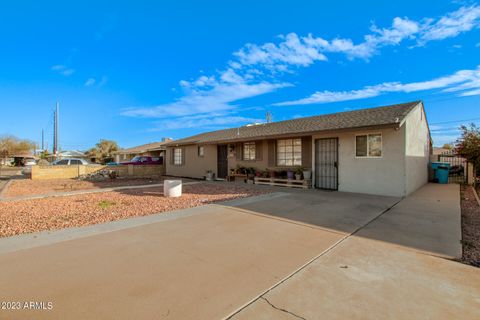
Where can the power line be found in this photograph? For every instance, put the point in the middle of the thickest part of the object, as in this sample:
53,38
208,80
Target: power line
454,121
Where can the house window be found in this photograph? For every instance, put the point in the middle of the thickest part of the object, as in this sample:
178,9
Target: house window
201,151
289,152
249,151
368,145
177,156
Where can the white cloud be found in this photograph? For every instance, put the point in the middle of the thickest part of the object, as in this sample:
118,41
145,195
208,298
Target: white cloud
452,24
205,121
291,51
466,82
90,82
255,68
95,82
219,98
63,70
475,92
295,50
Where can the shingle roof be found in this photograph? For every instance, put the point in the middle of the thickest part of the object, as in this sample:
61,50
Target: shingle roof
379,116
144,148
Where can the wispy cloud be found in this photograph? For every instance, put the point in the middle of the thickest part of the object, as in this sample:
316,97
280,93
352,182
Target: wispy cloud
63,70
464,82
451,25
295,50
257,69
211,120
90,82
219,98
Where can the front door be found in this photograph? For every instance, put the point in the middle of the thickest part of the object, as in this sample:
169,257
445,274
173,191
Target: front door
222,161
326,163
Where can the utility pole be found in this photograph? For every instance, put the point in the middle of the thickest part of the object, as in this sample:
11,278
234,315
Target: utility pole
43,141
55,131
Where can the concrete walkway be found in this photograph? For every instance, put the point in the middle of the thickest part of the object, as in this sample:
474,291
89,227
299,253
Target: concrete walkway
291,255
387,270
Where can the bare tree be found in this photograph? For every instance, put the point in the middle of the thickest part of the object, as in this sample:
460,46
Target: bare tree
11,145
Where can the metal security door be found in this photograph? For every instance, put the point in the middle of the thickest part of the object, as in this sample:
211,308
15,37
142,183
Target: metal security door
222,161
326,163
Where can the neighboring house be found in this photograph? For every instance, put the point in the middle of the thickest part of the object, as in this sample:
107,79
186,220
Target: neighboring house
382,150
71,154
155,149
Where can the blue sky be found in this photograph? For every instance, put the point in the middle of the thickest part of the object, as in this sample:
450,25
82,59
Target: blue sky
142,71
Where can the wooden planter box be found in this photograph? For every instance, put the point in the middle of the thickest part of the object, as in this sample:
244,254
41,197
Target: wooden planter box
239,178
305,184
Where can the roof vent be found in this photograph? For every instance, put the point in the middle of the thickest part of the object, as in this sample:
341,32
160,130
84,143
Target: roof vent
397,120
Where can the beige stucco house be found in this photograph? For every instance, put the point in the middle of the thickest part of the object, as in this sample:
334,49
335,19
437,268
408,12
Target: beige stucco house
383,150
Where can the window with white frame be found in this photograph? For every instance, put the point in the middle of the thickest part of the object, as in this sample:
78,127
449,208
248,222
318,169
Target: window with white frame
289,152
368,145
249,151
201,151
177,156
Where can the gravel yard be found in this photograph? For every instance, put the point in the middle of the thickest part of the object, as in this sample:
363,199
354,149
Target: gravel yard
470,227
35,187
26,216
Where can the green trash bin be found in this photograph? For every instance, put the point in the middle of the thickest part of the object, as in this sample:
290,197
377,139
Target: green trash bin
441,170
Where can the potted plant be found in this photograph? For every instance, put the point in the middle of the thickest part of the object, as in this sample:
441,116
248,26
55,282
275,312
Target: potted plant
209,176
290,174
265,173
272,173
298,173
307,174
250,173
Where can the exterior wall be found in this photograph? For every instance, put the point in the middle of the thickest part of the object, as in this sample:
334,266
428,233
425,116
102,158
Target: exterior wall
380,176
260,164
73,172
417,150
266,158
196,167
193,165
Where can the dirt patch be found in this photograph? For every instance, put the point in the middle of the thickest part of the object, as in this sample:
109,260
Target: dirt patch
38,187
26,216
470,227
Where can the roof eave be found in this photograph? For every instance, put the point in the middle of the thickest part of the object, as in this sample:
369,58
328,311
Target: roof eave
395,125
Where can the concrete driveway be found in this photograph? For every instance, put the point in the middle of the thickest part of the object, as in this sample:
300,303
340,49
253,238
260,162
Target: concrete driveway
285,255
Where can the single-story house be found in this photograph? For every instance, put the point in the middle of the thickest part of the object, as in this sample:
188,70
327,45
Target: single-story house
383,150
154,149
71,154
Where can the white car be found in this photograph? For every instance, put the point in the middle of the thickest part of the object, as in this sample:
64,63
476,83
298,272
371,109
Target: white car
71,162
30,162
27,169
